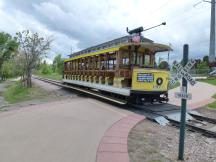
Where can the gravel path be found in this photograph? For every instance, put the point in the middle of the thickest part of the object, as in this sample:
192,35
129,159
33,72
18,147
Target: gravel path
149,142
53,89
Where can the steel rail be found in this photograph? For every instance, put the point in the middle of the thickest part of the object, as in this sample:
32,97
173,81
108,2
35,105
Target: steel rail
59,83
203,131
203,118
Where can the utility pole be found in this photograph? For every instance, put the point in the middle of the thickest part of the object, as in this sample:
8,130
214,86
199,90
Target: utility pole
212,33
71,50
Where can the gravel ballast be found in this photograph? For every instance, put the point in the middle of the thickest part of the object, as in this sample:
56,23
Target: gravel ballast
150,142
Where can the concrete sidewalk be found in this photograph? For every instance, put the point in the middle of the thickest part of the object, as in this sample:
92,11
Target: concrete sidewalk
62,131
201,94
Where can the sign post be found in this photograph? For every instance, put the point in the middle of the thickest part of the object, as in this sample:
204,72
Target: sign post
183,72
183,107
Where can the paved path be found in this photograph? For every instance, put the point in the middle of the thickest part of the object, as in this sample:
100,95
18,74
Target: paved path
71,129
201,94
61,131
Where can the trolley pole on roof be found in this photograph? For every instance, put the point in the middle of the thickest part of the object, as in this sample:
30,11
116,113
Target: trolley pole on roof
183,108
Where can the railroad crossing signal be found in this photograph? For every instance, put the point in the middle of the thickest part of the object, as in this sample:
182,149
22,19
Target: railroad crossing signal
183,72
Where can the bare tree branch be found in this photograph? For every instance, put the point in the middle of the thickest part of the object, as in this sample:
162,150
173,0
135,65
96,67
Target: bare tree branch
33,48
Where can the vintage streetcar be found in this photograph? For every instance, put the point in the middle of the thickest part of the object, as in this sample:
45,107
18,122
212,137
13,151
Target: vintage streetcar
123,68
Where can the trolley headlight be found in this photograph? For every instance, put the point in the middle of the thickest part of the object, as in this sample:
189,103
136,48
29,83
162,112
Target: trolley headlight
159,81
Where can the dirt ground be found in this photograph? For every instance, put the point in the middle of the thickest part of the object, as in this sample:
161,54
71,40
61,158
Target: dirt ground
150,142
48,91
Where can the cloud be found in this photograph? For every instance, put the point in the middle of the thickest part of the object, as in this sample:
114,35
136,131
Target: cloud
83,23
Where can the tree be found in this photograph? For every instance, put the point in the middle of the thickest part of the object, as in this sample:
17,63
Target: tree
8,47
202,67
206,59
163,65
58,64
7,69
20,66
45,68
32,49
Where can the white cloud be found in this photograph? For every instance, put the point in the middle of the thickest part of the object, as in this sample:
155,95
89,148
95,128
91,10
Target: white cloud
83,23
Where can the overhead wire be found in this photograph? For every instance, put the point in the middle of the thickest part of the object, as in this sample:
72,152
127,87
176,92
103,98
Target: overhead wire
181,19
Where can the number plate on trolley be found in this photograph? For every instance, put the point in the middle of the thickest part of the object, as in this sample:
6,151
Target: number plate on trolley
145,77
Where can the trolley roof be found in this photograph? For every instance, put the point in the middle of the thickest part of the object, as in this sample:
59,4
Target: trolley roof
117,44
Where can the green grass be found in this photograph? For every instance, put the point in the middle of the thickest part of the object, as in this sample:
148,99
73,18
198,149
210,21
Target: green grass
2,81
213,104
177,84
16,93
53,76
209,81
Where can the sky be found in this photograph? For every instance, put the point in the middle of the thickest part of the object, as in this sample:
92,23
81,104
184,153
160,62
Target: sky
75,25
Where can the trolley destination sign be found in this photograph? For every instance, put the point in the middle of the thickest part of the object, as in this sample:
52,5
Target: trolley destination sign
183,72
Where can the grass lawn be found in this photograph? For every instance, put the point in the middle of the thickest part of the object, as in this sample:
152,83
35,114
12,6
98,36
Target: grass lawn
53,76
213,82
213,104
16,93
1,81
209,81
177,84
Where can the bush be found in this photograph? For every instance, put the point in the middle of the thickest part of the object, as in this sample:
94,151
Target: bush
16,93
163,65
45,69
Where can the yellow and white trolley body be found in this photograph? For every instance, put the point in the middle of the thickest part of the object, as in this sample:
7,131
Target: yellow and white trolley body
124,69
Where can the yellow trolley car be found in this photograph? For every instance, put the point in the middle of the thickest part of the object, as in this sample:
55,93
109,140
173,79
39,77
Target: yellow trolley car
124,68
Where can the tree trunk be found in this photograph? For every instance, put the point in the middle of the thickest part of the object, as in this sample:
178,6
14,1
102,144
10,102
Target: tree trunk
29,82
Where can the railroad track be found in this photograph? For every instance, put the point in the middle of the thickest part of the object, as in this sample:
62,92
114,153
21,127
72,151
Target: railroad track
191,124
56,82
203,118
82,90
195,128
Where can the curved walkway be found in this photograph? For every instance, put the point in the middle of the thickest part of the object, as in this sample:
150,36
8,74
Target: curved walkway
201,95
67,130
113,146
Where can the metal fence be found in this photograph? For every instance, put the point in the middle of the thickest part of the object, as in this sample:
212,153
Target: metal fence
195,72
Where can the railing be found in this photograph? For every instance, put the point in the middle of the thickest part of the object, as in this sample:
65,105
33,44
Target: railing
195,72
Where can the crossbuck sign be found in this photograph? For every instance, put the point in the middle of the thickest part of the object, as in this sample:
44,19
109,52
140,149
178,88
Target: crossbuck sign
183,72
